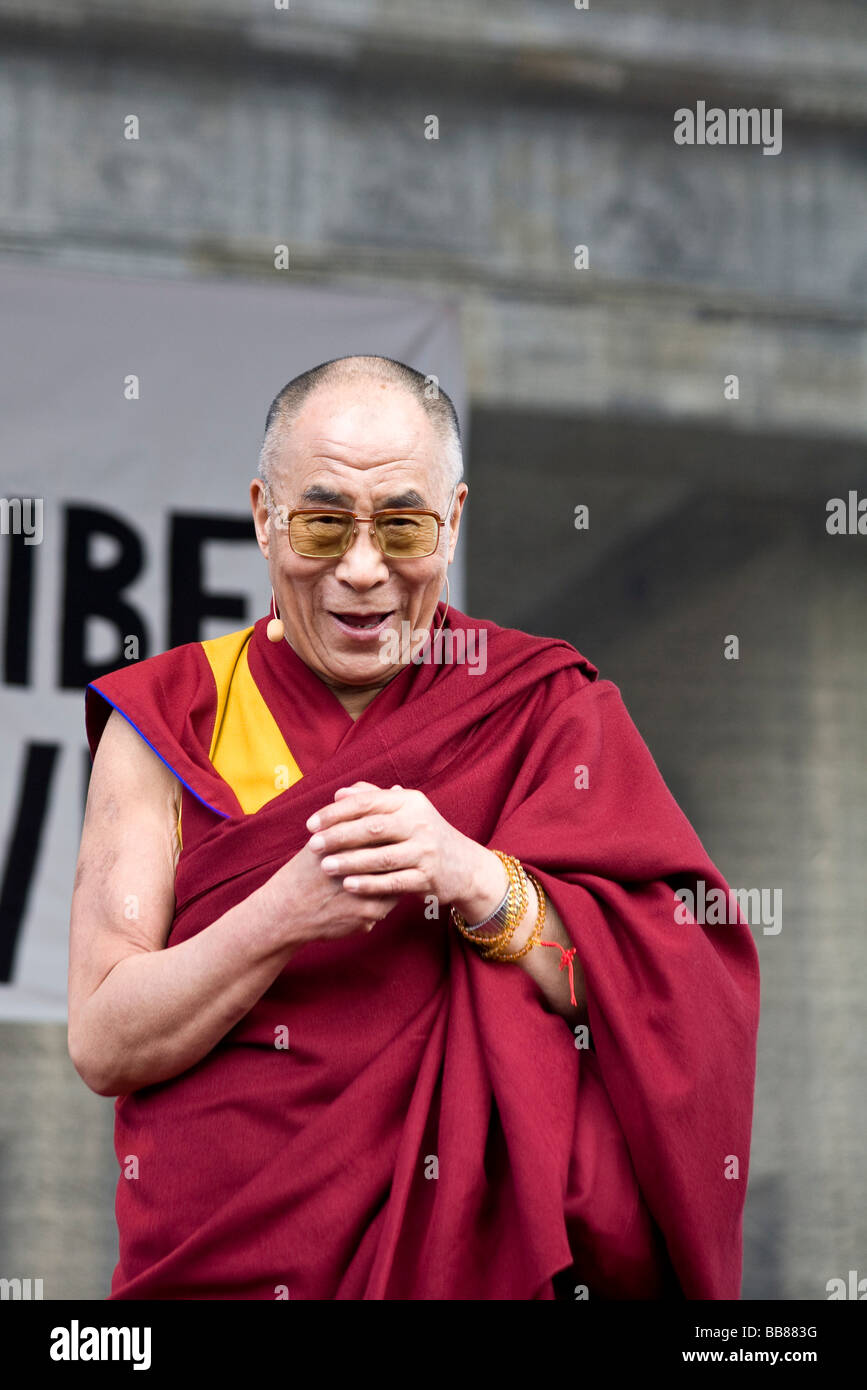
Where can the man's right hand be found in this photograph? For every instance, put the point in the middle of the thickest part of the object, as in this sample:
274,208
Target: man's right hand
316,906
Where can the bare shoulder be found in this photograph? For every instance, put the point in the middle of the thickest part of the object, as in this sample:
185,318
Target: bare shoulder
129,842
129,783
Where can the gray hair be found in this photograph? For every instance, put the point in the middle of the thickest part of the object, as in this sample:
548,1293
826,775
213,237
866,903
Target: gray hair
426,390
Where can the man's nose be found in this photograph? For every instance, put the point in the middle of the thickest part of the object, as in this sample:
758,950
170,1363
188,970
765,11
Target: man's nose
363,564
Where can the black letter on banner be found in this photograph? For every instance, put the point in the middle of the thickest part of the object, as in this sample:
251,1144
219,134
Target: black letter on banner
22,849
95,592
188,601
19,609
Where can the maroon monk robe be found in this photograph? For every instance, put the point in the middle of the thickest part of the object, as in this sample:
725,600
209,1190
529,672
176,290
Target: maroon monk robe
309,1172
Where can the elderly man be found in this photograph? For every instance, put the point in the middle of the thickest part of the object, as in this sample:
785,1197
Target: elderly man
378,947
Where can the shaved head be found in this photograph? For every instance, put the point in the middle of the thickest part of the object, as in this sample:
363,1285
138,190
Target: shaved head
357,372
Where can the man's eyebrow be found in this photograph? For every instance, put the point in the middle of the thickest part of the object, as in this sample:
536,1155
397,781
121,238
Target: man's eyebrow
411,498
320,495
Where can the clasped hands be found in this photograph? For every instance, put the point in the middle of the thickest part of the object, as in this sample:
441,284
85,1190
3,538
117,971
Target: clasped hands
383,842
373,844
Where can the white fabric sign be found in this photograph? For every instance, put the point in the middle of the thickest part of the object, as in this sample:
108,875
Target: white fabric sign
145,521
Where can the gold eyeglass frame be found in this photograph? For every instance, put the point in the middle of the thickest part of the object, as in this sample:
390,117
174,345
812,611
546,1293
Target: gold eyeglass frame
364,520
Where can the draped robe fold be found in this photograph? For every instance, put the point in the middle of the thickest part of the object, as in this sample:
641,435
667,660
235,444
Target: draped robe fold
433,1130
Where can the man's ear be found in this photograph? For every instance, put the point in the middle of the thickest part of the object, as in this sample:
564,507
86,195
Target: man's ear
261,519
457,508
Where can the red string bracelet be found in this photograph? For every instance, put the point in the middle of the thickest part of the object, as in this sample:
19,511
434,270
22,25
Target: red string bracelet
565,959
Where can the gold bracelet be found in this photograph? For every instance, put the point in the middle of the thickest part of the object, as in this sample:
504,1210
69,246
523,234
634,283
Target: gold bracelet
517,906
499,954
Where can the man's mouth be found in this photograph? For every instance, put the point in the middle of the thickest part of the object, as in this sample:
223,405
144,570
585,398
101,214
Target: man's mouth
370,624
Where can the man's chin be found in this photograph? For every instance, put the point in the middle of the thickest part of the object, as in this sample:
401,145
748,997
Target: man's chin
361,669
353,676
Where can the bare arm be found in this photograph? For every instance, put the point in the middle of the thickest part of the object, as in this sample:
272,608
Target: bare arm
139,1013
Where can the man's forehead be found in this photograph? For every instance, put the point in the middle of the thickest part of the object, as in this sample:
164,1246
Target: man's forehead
364,461
392,482
352,442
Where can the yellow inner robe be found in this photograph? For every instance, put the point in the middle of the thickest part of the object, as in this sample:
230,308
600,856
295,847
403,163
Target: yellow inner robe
247,748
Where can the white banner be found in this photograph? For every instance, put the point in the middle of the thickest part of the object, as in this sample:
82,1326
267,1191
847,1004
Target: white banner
132,415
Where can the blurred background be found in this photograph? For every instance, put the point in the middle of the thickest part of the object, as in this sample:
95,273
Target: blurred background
602,386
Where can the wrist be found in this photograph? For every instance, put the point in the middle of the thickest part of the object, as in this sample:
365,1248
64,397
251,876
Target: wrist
486,882
477,905
281,926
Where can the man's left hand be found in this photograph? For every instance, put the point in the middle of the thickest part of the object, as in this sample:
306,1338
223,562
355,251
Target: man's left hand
393,841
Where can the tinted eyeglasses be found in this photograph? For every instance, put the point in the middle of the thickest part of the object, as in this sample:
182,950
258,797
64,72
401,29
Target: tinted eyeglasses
402,533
